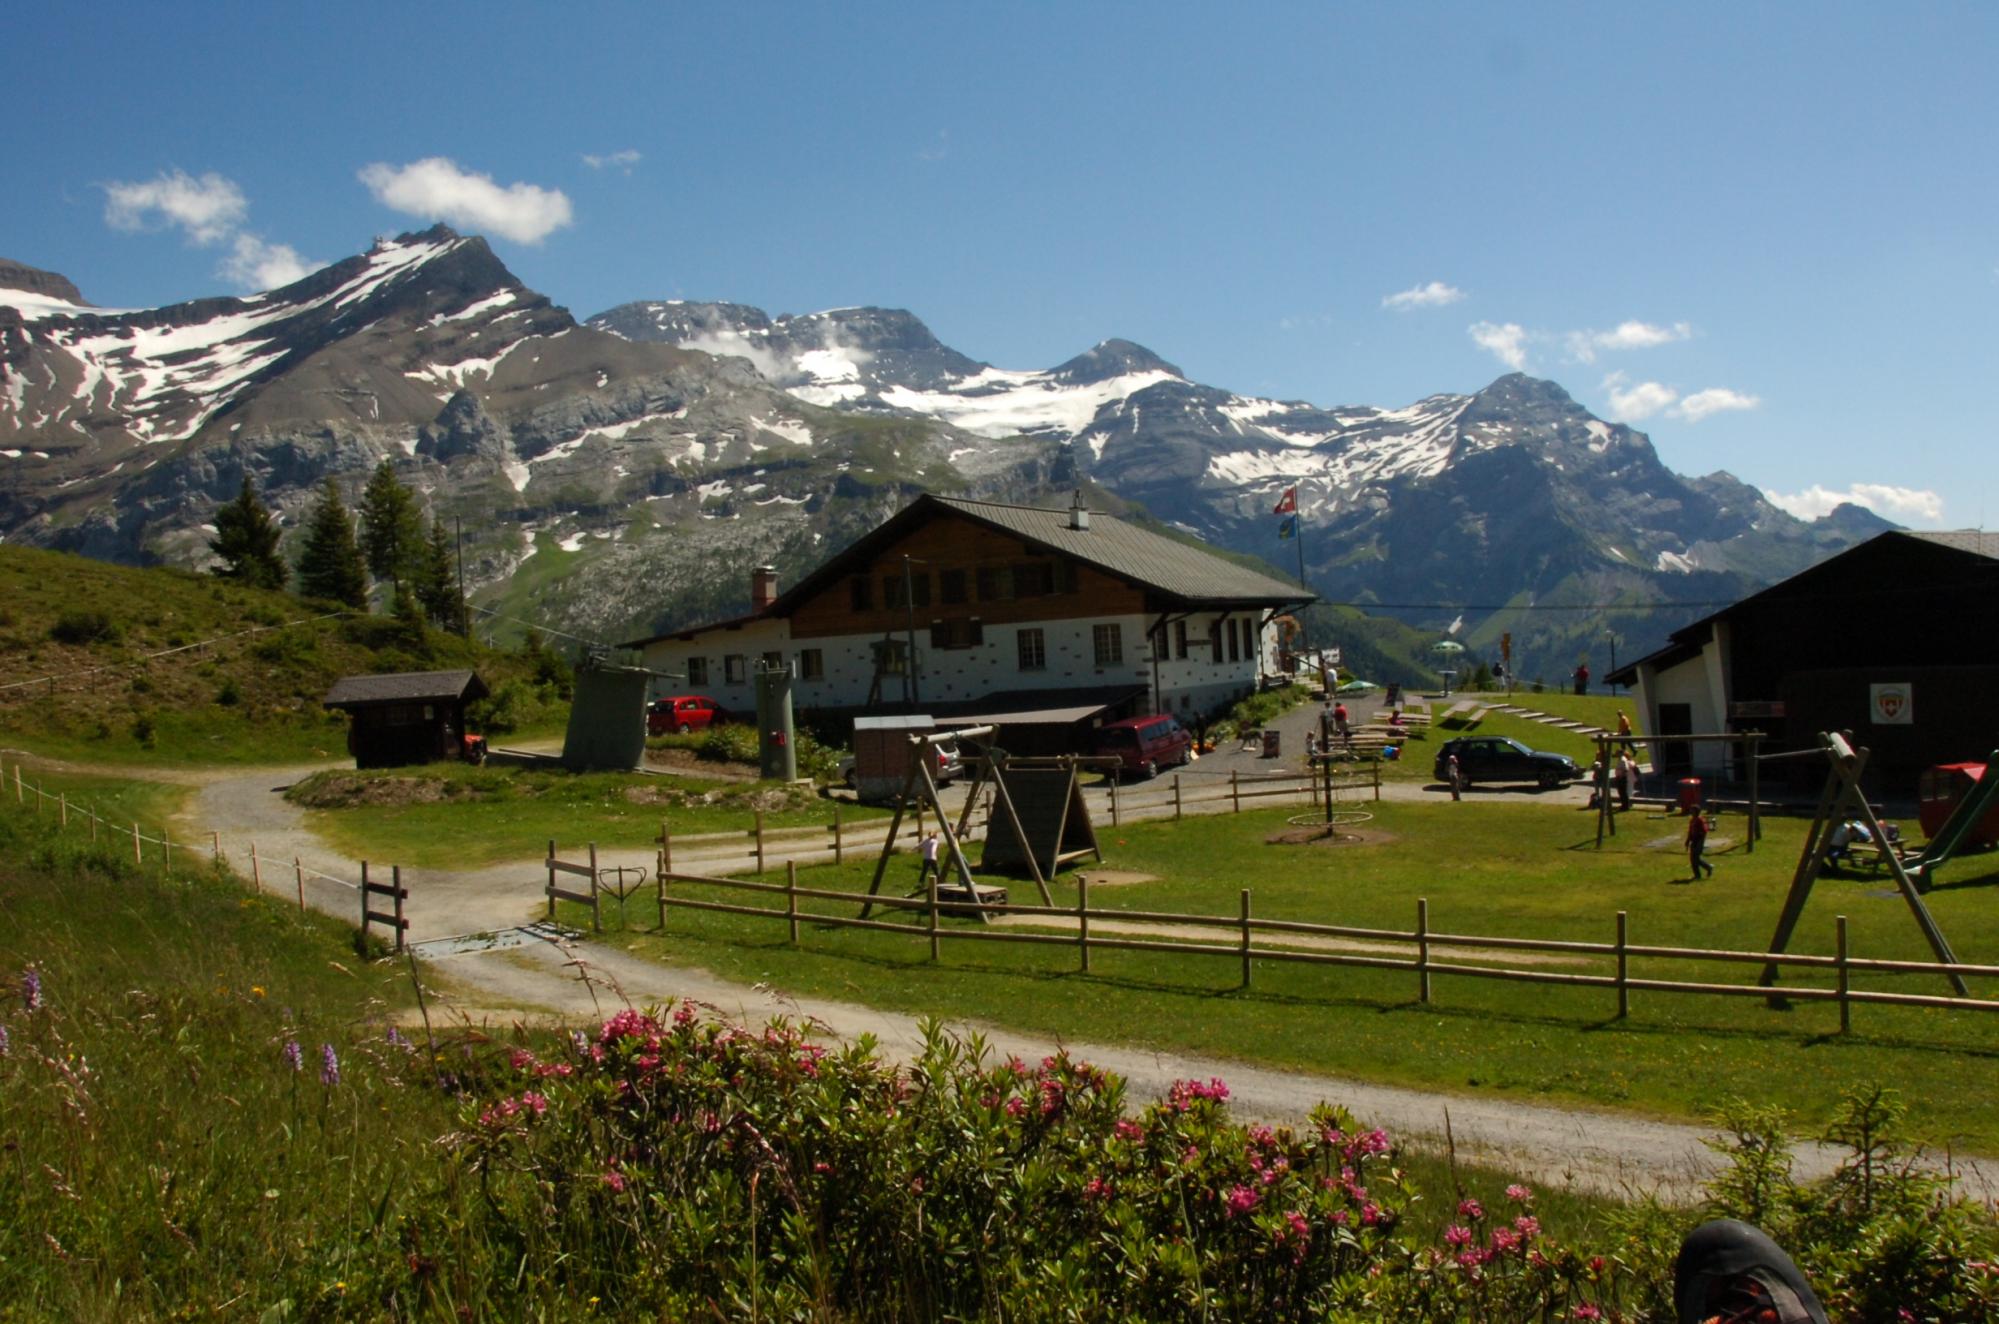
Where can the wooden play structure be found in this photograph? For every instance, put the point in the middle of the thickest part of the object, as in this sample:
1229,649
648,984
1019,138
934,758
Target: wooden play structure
1047,821
1609,743
1842,800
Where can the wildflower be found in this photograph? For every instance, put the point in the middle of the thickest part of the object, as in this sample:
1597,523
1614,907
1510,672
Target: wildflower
1527,1225
397,1039
31,988
6,1042
1129,1130
1519,1194
916,1185
329,1065
535,1102
1457,1235
1241,1199
1504,1240
822,1167
616,1181
1587,1311
1015,1106
257,990
1471,1209
1185,1093
1096,1188
294,1055
627,1024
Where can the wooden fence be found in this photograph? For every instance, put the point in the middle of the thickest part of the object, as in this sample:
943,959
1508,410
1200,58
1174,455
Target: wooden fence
1242,929
71,812
759,842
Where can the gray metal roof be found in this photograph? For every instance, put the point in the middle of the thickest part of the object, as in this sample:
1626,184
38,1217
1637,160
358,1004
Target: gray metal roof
1978,541
1175,569
404,687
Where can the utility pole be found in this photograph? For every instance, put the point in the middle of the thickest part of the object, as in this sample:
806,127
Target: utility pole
909,682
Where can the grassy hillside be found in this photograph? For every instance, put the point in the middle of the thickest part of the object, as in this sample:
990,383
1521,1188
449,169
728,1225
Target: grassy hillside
114,664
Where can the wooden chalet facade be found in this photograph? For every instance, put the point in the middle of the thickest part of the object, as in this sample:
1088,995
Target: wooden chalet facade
1891,640
1009,607
406,717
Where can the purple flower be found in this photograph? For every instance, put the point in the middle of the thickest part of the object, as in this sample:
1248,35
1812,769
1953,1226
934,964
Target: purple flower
6,1042
329,1066
397,1039
31,988
294,1057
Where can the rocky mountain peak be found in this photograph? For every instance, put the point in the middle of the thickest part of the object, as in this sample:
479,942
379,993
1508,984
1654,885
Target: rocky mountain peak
1111,358
21,276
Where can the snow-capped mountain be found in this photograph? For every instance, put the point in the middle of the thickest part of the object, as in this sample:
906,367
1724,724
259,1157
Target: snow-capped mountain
618,476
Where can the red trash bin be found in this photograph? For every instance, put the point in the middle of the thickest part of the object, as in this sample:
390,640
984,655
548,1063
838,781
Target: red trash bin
1272,744
1690,794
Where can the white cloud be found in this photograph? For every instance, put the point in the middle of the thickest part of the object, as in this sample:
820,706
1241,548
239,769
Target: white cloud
1902,504
1636,401
1507,343
208,208
259,265
437,188
1714,400
1584,345
621,160
1433,295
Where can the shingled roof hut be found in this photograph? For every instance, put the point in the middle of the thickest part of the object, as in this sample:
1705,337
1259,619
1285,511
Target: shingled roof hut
405,717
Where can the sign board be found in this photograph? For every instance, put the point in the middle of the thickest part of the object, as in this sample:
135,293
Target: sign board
1892,704
1752,709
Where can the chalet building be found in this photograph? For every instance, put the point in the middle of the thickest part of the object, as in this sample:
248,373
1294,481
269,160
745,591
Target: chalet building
405,718
975,607
1892,640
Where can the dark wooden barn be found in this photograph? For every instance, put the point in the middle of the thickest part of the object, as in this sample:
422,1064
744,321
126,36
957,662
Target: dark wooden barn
1895,640
406,717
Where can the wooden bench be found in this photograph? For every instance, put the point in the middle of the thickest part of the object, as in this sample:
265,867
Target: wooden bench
1458,714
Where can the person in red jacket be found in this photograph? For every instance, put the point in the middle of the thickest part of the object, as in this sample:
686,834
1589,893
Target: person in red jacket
1697,826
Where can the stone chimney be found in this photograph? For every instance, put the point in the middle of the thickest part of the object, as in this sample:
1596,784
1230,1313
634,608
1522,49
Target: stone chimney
763,587
1079,514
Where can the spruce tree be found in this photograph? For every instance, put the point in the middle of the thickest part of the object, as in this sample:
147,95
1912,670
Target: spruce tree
246,538
391,533
330,566
437,582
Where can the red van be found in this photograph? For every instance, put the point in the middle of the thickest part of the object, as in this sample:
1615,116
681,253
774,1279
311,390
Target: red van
1144,745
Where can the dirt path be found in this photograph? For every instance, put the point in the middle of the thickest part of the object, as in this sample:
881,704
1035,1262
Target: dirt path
526,977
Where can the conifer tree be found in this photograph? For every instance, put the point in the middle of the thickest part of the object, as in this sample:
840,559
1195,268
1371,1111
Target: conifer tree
246,538
437,582
330,566
391,533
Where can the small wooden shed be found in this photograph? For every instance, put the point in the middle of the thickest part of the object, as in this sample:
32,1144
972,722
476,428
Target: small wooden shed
405,717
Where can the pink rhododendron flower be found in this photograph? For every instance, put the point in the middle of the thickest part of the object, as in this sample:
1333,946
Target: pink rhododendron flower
1457,1235
1241,1199
1471,1209
1519,1193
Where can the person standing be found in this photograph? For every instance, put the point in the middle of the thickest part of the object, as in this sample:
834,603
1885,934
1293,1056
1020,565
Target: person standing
1627,773
1455,775
1340,724
930,866
1582,678
1697,826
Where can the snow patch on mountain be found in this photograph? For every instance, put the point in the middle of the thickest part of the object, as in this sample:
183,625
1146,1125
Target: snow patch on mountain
998,403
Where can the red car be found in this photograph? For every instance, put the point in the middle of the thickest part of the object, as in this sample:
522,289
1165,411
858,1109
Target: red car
683,713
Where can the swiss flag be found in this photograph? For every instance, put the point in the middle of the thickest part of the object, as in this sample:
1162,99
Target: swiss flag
1288,503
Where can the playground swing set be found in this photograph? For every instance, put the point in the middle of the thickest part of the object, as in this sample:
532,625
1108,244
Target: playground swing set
1048,824
1842,800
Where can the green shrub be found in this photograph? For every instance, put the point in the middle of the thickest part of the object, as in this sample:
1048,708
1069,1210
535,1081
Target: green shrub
84,627
733,742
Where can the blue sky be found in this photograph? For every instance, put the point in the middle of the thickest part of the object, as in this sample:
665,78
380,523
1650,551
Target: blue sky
1765,234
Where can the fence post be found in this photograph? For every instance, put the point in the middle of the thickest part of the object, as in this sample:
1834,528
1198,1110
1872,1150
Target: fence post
62,808
791,898
93,826
665,849
1235,789
1623,966
138,852
1176,797
396,878
932,913
1845,1007
551,878
298,872
214,842
1245,937
596,899
1377,777
1083,918
256,870
1423,949
17,783
40,795
760,842
839,846
1113,781
364,907
167,845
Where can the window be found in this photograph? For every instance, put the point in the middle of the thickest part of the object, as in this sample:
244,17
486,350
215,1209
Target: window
957,634
951,587
891,656
1065,576
697,671
1248,637
995,583
732,669
1180,640
859,594
811,664
1215,640
1033,579
1235,642
774,661
1109,640
919,590
1033,650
